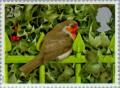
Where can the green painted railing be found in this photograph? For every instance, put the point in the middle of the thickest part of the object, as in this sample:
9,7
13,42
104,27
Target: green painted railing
70,59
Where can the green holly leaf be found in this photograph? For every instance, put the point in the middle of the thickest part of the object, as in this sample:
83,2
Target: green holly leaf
8,46
50,77
23,45
105,77
93,69
32,49
78,45
33,77
28,11
29,26
68,10
13,73
104,40
68,72
100,40
94,41
72,79
12,78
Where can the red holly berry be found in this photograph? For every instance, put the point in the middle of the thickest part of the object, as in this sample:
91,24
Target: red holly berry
15,38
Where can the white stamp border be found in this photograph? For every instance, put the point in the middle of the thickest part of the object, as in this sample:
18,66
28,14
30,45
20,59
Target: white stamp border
81,85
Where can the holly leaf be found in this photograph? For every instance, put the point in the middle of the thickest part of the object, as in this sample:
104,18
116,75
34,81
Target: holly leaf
72,80
12,78
94,41
68,72
99,41
105,77
50,77
104,40
93,69
33,77
13,73
28,11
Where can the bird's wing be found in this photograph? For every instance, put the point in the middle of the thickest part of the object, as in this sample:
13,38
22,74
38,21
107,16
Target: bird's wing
55,46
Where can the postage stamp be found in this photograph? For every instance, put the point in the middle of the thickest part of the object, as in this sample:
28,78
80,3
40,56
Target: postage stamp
58,43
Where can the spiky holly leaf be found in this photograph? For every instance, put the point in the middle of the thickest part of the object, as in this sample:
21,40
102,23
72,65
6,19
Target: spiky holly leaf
99,41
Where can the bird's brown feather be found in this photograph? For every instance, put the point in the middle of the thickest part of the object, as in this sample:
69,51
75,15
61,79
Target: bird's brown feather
52,48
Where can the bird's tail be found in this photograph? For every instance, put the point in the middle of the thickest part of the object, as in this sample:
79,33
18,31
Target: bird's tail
31,65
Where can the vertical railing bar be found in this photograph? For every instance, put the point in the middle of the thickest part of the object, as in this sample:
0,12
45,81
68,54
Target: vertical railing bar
113,73
6,73
42,74
77,73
